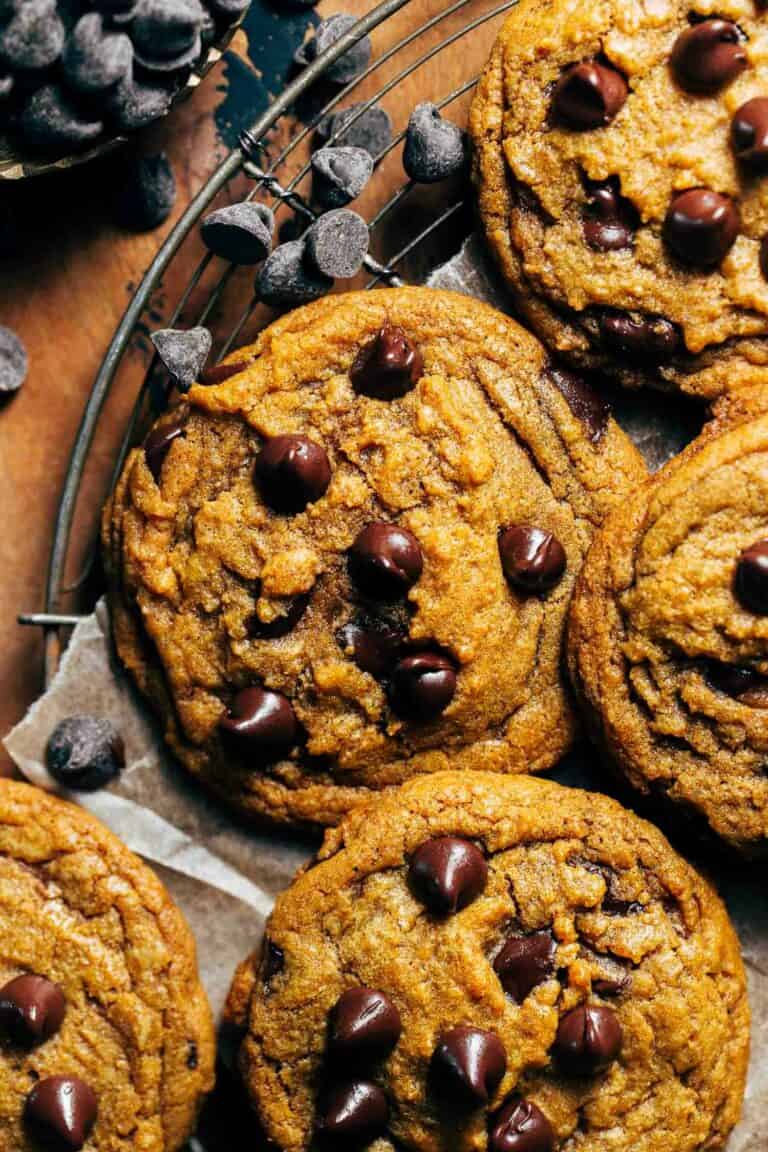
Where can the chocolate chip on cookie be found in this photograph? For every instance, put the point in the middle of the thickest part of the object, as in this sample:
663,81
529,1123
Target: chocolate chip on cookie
650,339
467,1066
610,220
447,874
261,722
32,1009
708,55
389,367
292,472
533,560
60,1113
364,1024
589,95
751,581
520,1126
385,561
701,226
589,1038
351,1114
524,962
423,685
749,133
158,444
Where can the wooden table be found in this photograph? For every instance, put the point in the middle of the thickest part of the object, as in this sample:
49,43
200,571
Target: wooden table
68,285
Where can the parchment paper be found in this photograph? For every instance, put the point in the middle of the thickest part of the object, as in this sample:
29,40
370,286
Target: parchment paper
225,877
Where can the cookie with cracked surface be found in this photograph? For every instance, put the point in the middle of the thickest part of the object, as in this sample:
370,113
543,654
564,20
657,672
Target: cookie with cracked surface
585,990
668,632
106,1038
620,162
350,562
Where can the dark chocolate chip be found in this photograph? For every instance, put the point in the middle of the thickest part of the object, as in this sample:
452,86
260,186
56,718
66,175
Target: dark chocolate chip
743,684
351,1114
651,339
385,561
389,367
339,175
447,873
585,403
50,122
751,580
589,1038
337,243
147,193
292,472
358,127
261,722
273,961
589,95
183,352
33,37
281,625
519,1126
165,29
31,1011
423,686
133,105
708,55
85,753
525,962
241,233
749,133
701,226
607,986
60,1113
434,148
13,361
374,647
287,279
351,63
96,58
467,1066
616,906
364,1023
218,373
764,257
610,220
158,444
533,560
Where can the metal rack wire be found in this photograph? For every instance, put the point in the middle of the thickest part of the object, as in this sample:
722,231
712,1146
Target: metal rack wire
269,172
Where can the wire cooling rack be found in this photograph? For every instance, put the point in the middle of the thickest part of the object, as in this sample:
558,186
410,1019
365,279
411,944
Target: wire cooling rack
411,229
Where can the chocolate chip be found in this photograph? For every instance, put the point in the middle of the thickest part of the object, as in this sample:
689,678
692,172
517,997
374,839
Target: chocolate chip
749,133
707,56
519,1126
363,1024
423,686
281,625
60,1113
148,193
31,1011
33,37
446,874
273,962
339,175
286,279
337,243
751,580
588,1038
533,560
85,753
374,647
218,373
166,29
96,58
158,444
525,962
764,257
616,906
610,220
241,233
351,63
13,361
133,105
261,722
183,353
651,339
385,561
585,403
358,127
701,226
743,684
292,472
434,148
51,123
589,95
389,367
166,68
352,1114
193,1055
467,1066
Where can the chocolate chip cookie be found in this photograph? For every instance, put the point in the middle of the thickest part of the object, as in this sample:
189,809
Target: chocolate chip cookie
668,632
350,561
490,962
621,153
106,1040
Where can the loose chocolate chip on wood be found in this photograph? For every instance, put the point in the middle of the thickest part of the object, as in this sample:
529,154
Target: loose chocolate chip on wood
434,148
422,686
60,1113
525,962
707,56
183,353
749,133
148,193
701,227
610,220
351,1114
262,722
85,753
447,873
364,1024
385,561
589,1038
520,1126
13,362
158,444
467,1066
651,339
241,233
751,580
533,560
32,1010
389,367
585,403
589,95
292,472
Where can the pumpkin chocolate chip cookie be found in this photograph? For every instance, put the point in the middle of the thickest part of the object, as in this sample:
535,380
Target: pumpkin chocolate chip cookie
668,632
490,962
621,154
351,561
106,1039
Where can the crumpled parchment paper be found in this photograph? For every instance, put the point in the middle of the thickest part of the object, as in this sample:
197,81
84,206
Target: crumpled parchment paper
225,877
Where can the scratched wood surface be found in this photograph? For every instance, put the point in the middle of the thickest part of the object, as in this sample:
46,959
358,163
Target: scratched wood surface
67,283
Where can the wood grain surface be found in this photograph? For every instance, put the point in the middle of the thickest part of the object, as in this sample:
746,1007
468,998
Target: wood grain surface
70,274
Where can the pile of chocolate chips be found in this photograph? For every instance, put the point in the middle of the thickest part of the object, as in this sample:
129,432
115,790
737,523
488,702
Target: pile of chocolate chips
72,71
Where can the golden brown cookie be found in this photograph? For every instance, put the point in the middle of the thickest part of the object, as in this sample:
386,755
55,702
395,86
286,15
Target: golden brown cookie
351,561
621,148
481,962
668,631
106,1039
